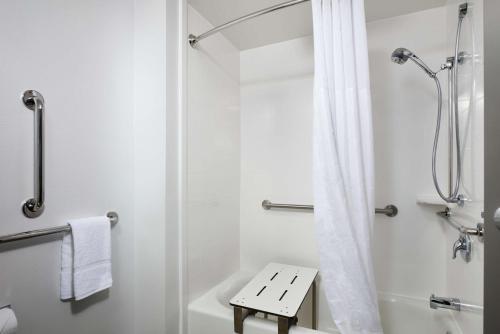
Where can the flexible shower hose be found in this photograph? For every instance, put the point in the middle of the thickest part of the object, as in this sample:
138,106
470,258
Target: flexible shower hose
454,196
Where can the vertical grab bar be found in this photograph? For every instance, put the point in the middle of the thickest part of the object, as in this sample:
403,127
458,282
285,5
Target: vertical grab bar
33,207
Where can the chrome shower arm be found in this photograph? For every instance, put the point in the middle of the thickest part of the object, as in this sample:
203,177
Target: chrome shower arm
423,66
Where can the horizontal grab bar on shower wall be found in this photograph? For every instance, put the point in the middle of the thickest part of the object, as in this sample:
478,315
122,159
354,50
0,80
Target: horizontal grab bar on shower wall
390,210
113,219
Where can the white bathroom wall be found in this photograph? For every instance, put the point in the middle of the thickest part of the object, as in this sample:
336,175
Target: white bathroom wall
156,159
276,125
97,64
213,159
410,249
276,153
80,56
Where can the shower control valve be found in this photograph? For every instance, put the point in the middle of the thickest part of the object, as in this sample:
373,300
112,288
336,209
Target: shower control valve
464,246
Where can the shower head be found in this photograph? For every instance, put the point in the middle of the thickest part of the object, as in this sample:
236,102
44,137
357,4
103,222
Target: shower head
401,55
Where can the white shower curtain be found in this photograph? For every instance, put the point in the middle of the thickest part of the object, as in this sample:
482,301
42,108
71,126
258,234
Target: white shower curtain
343,164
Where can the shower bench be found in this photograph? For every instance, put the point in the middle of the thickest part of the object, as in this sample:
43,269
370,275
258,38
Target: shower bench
278,290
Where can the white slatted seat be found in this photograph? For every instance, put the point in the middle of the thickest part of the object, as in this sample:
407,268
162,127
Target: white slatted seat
279,290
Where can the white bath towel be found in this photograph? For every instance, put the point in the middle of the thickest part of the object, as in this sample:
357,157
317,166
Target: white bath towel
86,258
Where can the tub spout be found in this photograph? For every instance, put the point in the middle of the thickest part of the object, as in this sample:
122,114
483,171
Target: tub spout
443,302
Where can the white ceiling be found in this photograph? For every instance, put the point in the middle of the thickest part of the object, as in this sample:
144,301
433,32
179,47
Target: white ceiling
291,22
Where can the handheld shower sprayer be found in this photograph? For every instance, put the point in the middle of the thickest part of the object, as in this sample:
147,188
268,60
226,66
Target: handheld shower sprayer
401,56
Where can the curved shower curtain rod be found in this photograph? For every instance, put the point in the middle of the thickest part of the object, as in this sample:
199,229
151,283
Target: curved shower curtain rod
193,40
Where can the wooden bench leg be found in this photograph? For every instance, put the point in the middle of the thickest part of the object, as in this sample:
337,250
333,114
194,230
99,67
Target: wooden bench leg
238,320
314,306
240,314
283,325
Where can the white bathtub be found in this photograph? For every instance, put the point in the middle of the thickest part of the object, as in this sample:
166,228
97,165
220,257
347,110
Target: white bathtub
212,314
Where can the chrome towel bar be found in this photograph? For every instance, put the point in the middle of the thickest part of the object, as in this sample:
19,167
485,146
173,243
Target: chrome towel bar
113,219
390,210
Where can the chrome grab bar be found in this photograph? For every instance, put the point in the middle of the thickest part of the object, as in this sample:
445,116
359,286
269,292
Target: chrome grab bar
390,210
33,207
113,219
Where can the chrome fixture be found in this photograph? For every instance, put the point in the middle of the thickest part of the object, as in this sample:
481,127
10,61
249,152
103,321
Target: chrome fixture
454,304
477,231
464,243
401,56
462,10
464,246
390,210
33,100
446,303
113,219
193,40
